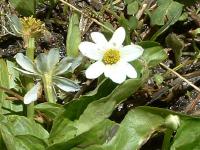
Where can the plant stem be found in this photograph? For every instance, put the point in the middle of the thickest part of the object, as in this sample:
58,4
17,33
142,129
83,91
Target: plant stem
30,49
48,88
29,82
167,138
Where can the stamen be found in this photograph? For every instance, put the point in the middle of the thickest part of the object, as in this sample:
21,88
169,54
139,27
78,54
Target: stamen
111,56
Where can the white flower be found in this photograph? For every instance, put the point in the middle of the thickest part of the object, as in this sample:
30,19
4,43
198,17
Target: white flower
112,58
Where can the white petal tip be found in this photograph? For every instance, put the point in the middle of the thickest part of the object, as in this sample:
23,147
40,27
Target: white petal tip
121,28
90,76
118,81
118,37
95,70
28,101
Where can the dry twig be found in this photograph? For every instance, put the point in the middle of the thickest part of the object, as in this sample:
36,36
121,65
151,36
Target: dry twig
19,97
181,77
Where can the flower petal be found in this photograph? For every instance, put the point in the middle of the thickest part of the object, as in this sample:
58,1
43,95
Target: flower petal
115,72
95,70
118,37
90,50
130,70
33,94
99,38
131,52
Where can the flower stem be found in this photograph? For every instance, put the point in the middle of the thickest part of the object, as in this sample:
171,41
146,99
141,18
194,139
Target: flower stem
30,49
167,139
48,88
29,82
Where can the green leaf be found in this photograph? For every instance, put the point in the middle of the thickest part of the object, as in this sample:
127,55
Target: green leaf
49,109
172,10
41,63
67,64
27,73
63,66
15,24
177,45
4,82
132,8
136,128
23,126
29,142
141,123
47,62
165,11
53,57
73,36
13,75
100,134
21,133
6,106
7,138
62,129
187,136
75,63
25,62
65,84
24,7
133,22
101,109
153,53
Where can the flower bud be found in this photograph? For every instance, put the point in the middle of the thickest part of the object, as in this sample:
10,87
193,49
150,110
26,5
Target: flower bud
172,121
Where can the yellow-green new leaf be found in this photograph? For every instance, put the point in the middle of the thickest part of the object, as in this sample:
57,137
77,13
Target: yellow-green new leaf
73,36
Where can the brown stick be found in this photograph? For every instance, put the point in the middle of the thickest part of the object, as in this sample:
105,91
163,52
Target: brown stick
12,93
181,77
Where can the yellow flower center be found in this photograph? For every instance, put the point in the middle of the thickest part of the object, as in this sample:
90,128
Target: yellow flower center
111,56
